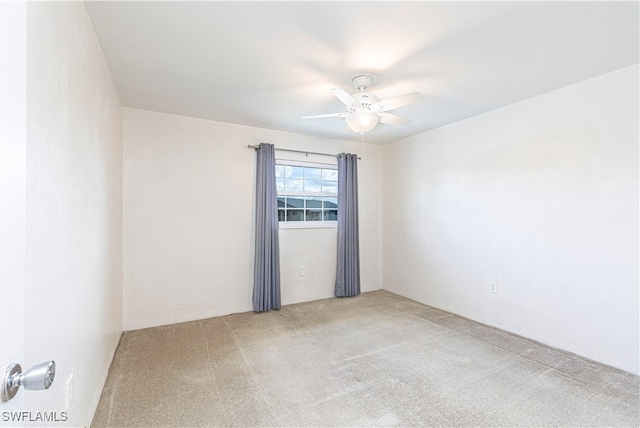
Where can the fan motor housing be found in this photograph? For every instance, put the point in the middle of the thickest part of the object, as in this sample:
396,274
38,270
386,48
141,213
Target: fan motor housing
366,100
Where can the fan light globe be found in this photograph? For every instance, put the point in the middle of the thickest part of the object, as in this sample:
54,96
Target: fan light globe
362,121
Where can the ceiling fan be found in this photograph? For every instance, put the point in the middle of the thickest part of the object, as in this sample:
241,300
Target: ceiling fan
365,110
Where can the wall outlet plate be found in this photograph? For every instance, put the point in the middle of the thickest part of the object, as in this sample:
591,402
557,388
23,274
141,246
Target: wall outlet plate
493,288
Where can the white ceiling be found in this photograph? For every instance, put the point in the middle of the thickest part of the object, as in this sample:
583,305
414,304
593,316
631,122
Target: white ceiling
267,64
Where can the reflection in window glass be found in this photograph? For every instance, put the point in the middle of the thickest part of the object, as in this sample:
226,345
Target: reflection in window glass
313,186
295,215
295,202
313,215
312,173
329,174
314,202
293,171
330,187
330,203
293,185
330,215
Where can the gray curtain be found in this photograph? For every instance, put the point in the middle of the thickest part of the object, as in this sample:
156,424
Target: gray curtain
348,266
266,276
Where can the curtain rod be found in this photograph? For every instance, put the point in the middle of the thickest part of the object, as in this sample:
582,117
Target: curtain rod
253,146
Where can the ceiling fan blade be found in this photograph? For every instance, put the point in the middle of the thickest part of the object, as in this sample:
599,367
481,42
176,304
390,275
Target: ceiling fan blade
396,102
318,116
392,119
346,98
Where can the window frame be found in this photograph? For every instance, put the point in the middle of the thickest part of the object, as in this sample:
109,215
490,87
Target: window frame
324,224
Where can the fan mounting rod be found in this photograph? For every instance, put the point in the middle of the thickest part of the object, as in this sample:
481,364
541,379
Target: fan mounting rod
361,82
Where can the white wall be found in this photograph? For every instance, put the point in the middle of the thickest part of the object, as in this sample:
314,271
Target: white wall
73,208
540,196
188,220
13,168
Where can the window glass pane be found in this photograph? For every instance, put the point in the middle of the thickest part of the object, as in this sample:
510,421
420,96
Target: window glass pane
314,215
329,174
330,203
312,173
314,202
295,215
293,185
330,215
313,186
295,202
293,171
330,187
296,206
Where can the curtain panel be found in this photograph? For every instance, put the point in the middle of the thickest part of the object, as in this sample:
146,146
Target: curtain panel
266,276
348,263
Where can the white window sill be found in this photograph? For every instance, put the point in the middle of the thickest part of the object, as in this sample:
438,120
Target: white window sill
308,224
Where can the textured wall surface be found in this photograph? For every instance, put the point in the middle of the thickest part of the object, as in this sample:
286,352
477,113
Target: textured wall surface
74,208
188,219
540,196
13,167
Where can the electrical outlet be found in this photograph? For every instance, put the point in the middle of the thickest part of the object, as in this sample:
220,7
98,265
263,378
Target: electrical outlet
301,271
70,391
494,287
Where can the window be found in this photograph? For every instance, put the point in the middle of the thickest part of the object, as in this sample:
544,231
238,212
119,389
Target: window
307,194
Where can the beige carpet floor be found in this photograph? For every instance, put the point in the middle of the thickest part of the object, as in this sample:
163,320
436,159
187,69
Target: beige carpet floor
375,360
